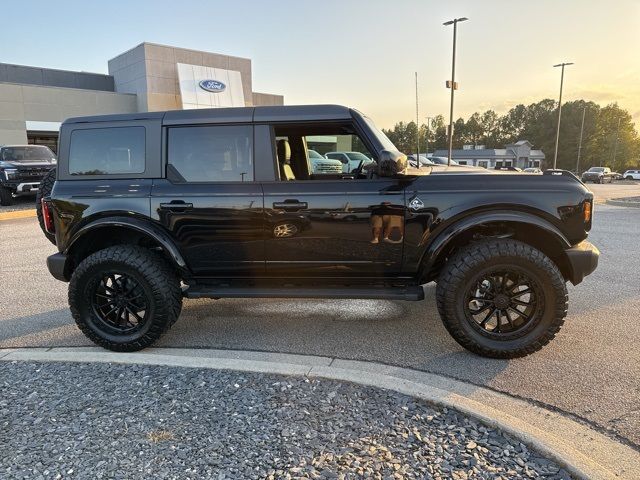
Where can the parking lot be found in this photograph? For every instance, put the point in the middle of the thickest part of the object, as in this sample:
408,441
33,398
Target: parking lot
590,371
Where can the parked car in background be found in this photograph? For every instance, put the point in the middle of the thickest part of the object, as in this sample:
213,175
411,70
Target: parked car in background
509,168
442,161
321,164
631,175
617,176
22,168
424,161
598,175
350,160
534,170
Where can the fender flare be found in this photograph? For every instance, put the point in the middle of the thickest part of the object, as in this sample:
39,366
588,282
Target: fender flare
149,229
443,238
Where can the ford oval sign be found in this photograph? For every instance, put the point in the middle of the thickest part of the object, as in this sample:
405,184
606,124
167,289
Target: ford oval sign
212,86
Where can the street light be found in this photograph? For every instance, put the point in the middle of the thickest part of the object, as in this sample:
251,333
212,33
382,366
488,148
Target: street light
555,155
453,84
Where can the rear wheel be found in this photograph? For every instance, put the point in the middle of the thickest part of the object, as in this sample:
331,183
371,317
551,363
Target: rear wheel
124,298
46,185
6,197
628,177
502,298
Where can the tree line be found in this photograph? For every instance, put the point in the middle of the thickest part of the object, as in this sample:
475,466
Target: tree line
609,136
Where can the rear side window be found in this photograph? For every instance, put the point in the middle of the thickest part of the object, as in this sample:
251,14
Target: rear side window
107,151
212,153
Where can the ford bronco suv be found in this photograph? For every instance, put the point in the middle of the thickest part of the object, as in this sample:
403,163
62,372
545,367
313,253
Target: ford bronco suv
22,168
149,208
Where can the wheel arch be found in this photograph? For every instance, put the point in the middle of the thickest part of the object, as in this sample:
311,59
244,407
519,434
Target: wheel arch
528,228
106,232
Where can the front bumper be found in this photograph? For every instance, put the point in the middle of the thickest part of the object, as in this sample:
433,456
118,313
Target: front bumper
58,265
583,260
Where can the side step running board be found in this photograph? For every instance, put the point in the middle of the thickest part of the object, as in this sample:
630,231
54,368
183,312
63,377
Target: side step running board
412,293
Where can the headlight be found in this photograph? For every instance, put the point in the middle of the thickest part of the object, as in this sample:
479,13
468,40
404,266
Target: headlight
9,173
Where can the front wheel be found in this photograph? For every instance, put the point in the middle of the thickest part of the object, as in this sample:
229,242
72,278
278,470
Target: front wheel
501,298
124,298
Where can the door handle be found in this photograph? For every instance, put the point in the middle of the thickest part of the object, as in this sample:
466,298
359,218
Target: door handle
290,205
176,206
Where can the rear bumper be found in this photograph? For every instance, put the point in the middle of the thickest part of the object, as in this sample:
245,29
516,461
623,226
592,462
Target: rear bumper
583,260
58,265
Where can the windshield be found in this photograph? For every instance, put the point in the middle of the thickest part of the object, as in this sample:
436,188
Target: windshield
314,154
596,169
36,153
382,138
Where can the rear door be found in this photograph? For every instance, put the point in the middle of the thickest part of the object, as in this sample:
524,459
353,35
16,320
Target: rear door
210,201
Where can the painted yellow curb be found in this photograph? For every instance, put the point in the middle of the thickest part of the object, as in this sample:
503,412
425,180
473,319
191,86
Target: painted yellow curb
17,214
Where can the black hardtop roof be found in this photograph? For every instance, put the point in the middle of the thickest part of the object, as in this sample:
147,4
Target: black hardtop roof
283,113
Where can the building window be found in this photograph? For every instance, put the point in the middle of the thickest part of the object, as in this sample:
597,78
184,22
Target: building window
462,162
483,163
212,153
107,151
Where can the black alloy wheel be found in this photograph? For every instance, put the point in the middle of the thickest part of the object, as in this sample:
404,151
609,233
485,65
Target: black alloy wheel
120,303
503,303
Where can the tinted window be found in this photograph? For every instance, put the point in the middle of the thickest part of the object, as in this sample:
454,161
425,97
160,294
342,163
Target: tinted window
106,151
212,154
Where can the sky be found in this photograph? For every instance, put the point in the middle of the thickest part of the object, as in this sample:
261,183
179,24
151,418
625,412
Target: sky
360,53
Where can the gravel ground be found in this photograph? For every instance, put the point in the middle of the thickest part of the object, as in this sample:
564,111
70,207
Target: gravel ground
116,421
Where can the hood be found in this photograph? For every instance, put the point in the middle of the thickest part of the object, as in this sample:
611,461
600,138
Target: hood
21,165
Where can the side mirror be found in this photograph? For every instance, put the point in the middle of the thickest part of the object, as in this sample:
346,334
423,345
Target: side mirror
391,162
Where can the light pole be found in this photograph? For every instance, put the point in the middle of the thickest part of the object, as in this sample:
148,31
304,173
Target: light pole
555,155
417,126
584,111
615,145
452,83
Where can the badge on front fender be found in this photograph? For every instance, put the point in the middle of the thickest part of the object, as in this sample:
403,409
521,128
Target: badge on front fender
416,204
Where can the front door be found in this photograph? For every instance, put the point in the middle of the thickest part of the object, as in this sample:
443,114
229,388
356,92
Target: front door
335,225
210,202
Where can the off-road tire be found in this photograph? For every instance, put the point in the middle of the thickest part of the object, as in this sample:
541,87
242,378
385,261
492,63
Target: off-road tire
46,185
6,198
151,271
466,264
628,177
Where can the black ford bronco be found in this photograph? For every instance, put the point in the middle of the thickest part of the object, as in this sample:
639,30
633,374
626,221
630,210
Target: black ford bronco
148,208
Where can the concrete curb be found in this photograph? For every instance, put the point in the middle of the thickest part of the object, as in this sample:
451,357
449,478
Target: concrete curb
622,203
582,451
17,214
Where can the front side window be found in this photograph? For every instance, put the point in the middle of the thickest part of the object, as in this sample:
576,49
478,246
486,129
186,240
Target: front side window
321,151
107,151
212,153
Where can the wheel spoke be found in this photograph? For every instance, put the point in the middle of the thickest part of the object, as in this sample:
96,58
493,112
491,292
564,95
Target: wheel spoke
480,310
488,317
111,311
521,292
519,313
521,303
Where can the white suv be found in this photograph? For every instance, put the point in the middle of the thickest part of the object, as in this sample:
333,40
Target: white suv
631,175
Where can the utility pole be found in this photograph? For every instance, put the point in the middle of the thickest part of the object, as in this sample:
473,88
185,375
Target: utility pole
417,126
555,156
584,111
615,145
452,83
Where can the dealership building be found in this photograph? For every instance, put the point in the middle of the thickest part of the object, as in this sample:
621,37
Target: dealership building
149,77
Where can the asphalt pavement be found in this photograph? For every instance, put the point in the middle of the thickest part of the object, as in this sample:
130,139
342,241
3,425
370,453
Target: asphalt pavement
590,371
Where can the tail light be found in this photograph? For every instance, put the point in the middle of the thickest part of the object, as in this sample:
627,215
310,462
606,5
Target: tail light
47,216
586,211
